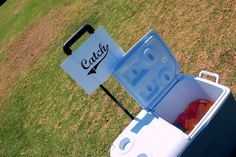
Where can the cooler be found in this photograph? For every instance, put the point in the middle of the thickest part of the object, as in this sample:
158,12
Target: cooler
150,74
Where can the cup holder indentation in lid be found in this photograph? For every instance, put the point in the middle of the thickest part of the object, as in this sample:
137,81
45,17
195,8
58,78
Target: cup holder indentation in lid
135,72
165,75
150,57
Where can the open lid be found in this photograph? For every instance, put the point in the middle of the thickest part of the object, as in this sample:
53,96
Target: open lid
147,71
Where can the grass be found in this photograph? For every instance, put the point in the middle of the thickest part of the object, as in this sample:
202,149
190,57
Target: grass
16,16
47,114
2,56
57,118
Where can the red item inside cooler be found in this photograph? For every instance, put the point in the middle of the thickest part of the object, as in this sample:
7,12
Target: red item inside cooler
192,114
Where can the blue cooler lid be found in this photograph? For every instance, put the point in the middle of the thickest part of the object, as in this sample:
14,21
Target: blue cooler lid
148,70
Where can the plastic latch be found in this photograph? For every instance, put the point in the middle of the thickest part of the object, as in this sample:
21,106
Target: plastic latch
207,73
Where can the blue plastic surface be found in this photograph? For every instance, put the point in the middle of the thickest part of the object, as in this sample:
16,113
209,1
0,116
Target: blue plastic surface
148,70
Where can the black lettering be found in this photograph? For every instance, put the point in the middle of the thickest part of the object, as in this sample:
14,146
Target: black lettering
95,55
83,64
103,49
99,55
107,48
91,61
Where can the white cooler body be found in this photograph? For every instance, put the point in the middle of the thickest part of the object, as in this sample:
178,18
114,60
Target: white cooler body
150,73
152,134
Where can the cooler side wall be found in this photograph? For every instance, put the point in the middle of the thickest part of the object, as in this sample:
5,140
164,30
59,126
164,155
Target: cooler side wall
218,139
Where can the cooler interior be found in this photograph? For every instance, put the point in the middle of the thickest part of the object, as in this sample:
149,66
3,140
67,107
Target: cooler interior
184,92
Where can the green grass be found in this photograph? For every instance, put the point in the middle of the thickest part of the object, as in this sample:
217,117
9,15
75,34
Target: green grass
47,114
37,110
2,56
17,15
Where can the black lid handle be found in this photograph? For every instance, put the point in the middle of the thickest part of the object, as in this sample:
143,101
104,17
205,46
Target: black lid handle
82,30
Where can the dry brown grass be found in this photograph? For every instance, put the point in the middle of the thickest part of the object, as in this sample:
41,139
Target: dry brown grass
23,51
